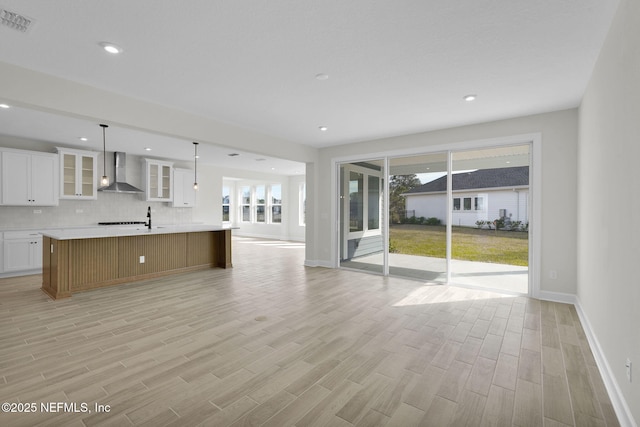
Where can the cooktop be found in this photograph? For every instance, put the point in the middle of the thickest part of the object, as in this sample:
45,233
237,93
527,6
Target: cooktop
122,223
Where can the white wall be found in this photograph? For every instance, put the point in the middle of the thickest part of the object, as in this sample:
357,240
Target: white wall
608,203
428,206
434,205
296,231
559,138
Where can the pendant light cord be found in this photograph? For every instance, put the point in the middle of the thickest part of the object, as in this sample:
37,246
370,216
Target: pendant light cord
104,152
105,179
195,166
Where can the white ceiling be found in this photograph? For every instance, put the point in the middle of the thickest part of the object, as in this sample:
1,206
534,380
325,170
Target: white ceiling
66,132
394,67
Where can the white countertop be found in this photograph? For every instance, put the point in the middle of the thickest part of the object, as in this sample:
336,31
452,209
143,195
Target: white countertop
117,231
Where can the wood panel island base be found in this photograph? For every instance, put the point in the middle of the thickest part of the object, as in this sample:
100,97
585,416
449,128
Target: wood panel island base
74,261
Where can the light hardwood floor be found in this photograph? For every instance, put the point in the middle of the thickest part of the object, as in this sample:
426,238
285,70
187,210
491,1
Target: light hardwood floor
271,342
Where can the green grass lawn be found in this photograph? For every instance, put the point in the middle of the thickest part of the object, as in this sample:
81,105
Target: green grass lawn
471,244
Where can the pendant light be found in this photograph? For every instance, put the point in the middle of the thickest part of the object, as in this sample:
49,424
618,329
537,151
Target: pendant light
105,179
195,166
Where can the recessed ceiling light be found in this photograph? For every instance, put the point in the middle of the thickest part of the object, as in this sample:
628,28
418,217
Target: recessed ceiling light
508,162
273,169
83,139
323,128
322,76
4,106
111,48
147,149
470,97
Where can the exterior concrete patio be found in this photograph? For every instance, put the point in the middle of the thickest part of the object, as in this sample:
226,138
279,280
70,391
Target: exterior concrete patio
502,277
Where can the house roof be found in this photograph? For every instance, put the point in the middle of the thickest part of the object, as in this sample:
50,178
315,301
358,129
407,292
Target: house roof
481,178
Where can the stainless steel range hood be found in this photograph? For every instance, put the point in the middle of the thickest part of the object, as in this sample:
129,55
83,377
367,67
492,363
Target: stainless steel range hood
120,185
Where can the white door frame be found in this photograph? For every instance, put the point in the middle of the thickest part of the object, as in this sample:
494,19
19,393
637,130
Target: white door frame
535,188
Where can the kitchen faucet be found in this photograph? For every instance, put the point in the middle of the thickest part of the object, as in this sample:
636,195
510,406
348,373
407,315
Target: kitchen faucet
148,224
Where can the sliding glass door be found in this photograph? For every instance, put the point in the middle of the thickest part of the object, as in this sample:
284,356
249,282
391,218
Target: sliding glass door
417,232
457,217
490,218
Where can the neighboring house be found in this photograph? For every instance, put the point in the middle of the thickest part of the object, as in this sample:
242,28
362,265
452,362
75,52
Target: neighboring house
481,195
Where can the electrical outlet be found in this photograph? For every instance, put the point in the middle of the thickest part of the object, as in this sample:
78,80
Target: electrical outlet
628,366
37,211
141,259
553,274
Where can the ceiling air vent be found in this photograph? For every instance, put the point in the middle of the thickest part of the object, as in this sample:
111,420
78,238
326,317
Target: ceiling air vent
15,20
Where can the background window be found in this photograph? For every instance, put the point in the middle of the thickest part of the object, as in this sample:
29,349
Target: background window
226,203
302,196
260,203
276,203
246,203
479,202
467,203
456,204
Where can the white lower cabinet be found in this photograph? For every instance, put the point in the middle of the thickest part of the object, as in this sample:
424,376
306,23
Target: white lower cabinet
22,251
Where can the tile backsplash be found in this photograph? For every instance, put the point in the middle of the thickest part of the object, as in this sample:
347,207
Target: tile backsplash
108,207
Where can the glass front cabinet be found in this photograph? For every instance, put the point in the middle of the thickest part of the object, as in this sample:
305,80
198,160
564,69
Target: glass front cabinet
78,174
159,180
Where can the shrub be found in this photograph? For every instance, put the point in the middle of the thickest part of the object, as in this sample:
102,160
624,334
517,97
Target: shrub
480,223
499,223
432,221
516,225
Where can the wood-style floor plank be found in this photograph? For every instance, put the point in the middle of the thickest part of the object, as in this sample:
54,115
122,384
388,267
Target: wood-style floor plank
273,343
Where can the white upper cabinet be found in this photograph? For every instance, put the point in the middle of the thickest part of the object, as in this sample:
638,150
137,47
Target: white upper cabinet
78,174
158,180
29,178
184,196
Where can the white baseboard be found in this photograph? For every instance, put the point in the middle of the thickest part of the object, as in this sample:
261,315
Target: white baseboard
268,237
556,297
317,263
20,273
615,394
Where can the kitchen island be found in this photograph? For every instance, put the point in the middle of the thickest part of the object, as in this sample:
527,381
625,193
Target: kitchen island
79,259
